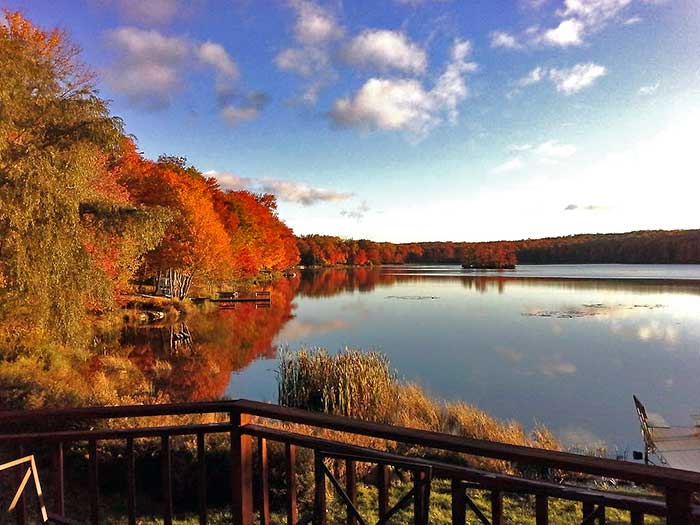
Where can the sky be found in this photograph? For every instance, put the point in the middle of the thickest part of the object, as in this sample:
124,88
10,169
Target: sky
414,120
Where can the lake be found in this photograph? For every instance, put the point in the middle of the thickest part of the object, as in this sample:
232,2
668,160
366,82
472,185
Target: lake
563,345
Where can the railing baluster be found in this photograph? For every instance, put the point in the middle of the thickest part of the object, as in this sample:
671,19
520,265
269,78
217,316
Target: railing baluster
290,454
130,481
587,510
351,489
636,518
201,478
496,507
264,481
59,479
459,503
678,504
241,471
541,510
420,498
601,515
21,509
93,482
319,490
166,479
383,485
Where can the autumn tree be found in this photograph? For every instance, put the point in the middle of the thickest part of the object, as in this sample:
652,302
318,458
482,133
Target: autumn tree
57,140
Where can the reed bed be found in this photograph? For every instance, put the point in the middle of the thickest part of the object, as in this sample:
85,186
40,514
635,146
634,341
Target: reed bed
363,385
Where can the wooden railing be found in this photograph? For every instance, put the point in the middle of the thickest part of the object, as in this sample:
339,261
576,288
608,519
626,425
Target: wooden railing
678,486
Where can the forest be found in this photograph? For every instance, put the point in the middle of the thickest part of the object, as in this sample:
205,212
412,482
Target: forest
639,247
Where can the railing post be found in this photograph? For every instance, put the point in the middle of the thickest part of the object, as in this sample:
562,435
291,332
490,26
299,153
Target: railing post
319,490
130,481
264,482
587,511
496,507
421,485
166,479
541,510
94,488
351,489
636,518
291,459
241,471
202,478
59,500
678,507
459,503
383,484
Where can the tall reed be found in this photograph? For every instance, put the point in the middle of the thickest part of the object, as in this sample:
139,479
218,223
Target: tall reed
351,383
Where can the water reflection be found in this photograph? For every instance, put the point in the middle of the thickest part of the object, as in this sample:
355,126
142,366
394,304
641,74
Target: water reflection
565,352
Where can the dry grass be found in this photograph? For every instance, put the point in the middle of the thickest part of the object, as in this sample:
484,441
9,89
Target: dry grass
362,385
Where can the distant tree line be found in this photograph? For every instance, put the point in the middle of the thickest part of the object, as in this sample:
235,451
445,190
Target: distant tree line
650,247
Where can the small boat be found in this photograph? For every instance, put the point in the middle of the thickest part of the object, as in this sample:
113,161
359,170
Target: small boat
677,447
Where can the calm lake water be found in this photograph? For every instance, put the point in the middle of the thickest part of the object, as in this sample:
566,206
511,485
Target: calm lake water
563,345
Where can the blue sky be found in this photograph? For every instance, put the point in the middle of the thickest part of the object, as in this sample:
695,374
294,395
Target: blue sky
414,120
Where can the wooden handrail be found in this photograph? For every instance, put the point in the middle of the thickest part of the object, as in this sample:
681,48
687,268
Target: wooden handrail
662,477
678,485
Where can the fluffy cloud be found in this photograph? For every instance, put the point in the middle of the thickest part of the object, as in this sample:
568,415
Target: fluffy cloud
552,149
358,212
567,33
533,77
650,89
248,108
284,190
149,65
385,50
290,191
587,207
511,165
504,40
314,24
150,69
315,29
405,104
574,79
579,19
216,56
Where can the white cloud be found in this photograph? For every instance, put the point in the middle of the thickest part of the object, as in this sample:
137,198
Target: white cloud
533,77
633,20
358,212
405,104
290,191
585,207
552,149
574,79
386,104
150,68
216,56
567,33
314,24
504,40
385,50
650,89
315,29
518,148
248,109
284,190
511,165
593,12
149,64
